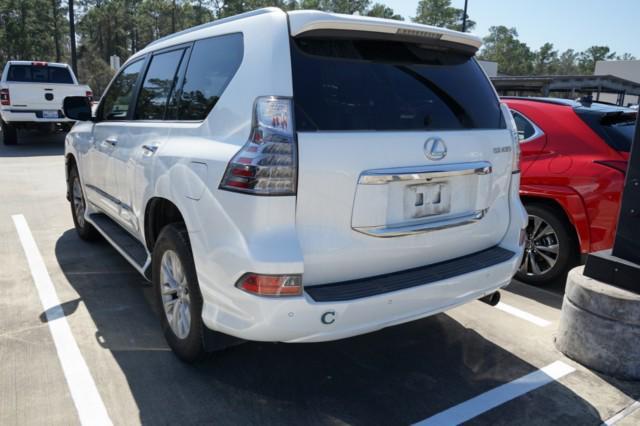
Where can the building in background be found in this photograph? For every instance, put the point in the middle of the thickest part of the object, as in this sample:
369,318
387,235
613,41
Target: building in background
491,68
629,70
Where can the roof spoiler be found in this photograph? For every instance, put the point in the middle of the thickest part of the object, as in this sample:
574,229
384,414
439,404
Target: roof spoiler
314,23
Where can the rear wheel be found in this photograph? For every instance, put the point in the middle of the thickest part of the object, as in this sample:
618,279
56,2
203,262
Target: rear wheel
85,230
550,248
9,134
177,293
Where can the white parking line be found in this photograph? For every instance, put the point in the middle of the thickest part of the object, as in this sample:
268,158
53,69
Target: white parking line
523,315
622,414
91,409
500,395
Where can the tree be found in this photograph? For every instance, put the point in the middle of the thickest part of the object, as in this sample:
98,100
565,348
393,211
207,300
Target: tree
568,63
379,10
545,60
502,46
587,59
626,57
440,13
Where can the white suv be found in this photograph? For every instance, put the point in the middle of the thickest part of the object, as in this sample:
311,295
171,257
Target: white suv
301,177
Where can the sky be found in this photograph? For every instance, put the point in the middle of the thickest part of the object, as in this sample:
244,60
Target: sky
568,24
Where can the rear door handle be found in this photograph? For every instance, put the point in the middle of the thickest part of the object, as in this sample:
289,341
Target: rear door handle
111,141
149,149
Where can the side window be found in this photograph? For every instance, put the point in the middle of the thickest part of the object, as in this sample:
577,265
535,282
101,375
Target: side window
117,99
525,128
213,63
158,85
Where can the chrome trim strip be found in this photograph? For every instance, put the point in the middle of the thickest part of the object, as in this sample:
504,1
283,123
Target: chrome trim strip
422,227
426,173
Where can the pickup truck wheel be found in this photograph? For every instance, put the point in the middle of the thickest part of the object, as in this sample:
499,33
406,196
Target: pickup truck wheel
550,249
9,134
85,230
177,293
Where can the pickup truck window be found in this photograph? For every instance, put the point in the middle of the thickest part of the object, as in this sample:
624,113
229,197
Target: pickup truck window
39,74
117,99
158,84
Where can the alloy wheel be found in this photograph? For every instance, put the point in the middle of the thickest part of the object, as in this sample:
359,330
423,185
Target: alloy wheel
174,290
542,247
78,202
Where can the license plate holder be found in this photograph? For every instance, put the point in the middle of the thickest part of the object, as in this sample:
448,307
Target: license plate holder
428,199
50,114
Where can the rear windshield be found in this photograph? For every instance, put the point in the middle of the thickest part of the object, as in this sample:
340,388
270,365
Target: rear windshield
342,84
617,128
39,74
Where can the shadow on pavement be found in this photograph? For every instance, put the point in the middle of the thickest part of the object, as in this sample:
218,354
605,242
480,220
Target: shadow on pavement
399,375
34,144
542,295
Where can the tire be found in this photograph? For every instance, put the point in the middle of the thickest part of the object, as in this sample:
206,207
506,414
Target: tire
9,134
553,248
177,294
85,230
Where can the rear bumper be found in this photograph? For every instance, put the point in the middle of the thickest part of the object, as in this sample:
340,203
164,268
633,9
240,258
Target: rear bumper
303,319
31,116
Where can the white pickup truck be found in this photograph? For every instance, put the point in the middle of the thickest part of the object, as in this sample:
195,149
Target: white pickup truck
31,96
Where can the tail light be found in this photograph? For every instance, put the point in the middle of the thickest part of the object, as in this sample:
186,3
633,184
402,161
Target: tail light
5,99
515,139
267,163
619,165
89,95
271,285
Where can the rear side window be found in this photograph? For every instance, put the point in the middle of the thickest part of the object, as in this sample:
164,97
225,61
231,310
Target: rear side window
342,84
213,63
39,74
525,128
616,127
158,85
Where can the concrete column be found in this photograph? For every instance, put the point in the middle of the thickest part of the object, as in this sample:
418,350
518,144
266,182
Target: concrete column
600,326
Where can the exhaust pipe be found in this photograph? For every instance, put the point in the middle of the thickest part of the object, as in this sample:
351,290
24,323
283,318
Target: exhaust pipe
491,299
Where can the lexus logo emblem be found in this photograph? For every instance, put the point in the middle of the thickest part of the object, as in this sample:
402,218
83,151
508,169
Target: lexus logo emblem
435,149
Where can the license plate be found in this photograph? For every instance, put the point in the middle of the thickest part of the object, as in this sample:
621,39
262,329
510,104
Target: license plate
427,200
49,114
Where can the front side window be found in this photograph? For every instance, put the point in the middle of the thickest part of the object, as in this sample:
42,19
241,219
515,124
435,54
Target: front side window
213,63
158,85
118,98
341,85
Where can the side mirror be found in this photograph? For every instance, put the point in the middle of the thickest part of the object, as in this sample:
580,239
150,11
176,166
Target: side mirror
77,108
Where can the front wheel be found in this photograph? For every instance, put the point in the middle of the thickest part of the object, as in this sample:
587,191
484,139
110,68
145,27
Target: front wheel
85,230
550,248
177,293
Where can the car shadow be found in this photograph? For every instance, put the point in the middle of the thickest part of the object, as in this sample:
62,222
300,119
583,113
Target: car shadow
34,144
399,375
543,295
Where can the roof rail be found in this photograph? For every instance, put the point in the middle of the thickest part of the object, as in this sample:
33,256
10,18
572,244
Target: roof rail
216,22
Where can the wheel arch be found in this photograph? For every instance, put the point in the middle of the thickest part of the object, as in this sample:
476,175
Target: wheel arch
159,212
566,202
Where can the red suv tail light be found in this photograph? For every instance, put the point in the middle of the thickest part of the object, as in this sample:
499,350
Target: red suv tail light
5,99
619,165
271,285
267,163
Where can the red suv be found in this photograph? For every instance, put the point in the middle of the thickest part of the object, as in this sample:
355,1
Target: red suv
574,158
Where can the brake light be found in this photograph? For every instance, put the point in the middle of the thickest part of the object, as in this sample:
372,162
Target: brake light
267,163
39,63
271,285
515,140
619,165
5,99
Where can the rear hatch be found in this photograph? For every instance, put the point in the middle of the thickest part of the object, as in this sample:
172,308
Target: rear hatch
404,156
41,87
